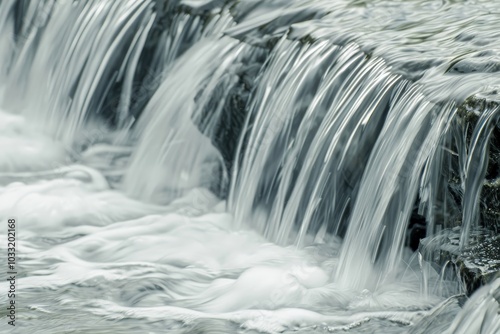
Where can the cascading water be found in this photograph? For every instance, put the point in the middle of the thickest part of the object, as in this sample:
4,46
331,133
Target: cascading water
475,168
317,117
93,45
241,166
200,161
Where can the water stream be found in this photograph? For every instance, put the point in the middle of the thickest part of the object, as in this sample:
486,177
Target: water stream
244,167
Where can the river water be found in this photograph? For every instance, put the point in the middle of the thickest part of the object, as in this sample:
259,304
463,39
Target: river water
139,210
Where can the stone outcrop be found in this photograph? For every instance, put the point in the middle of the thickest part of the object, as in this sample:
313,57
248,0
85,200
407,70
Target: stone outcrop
476,265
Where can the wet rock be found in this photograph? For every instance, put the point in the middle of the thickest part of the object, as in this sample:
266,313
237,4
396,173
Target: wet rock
476,265
473,65
416,230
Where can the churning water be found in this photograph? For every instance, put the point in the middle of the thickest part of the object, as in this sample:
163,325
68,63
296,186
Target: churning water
242,166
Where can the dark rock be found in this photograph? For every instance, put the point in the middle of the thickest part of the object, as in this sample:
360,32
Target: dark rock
476,265
469,113
226,129
417,228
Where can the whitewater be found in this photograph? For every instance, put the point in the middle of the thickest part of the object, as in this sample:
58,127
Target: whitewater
136,213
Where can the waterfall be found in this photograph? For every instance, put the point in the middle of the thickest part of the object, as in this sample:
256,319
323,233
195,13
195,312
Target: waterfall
240,166
319,125
377,229
176,103
100,48
475,169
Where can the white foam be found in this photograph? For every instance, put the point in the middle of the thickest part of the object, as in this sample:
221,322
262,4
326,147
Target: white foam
117,257
23,149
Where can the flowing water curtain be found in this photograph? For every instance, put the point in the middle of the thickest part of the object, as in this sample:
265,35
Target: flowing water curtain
452,184
451,195
173,156
93,44
285,89
7,42
19,21
374,240
164,44
475,169
190,28
173,33
440,190
316,114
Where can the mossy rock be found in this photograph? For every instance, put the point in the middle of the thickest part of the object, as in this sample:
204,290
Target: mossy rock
476,265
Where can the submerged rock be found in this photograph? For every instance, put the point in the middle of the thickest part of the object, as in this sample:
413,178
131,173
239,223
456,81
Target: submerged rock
476,65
